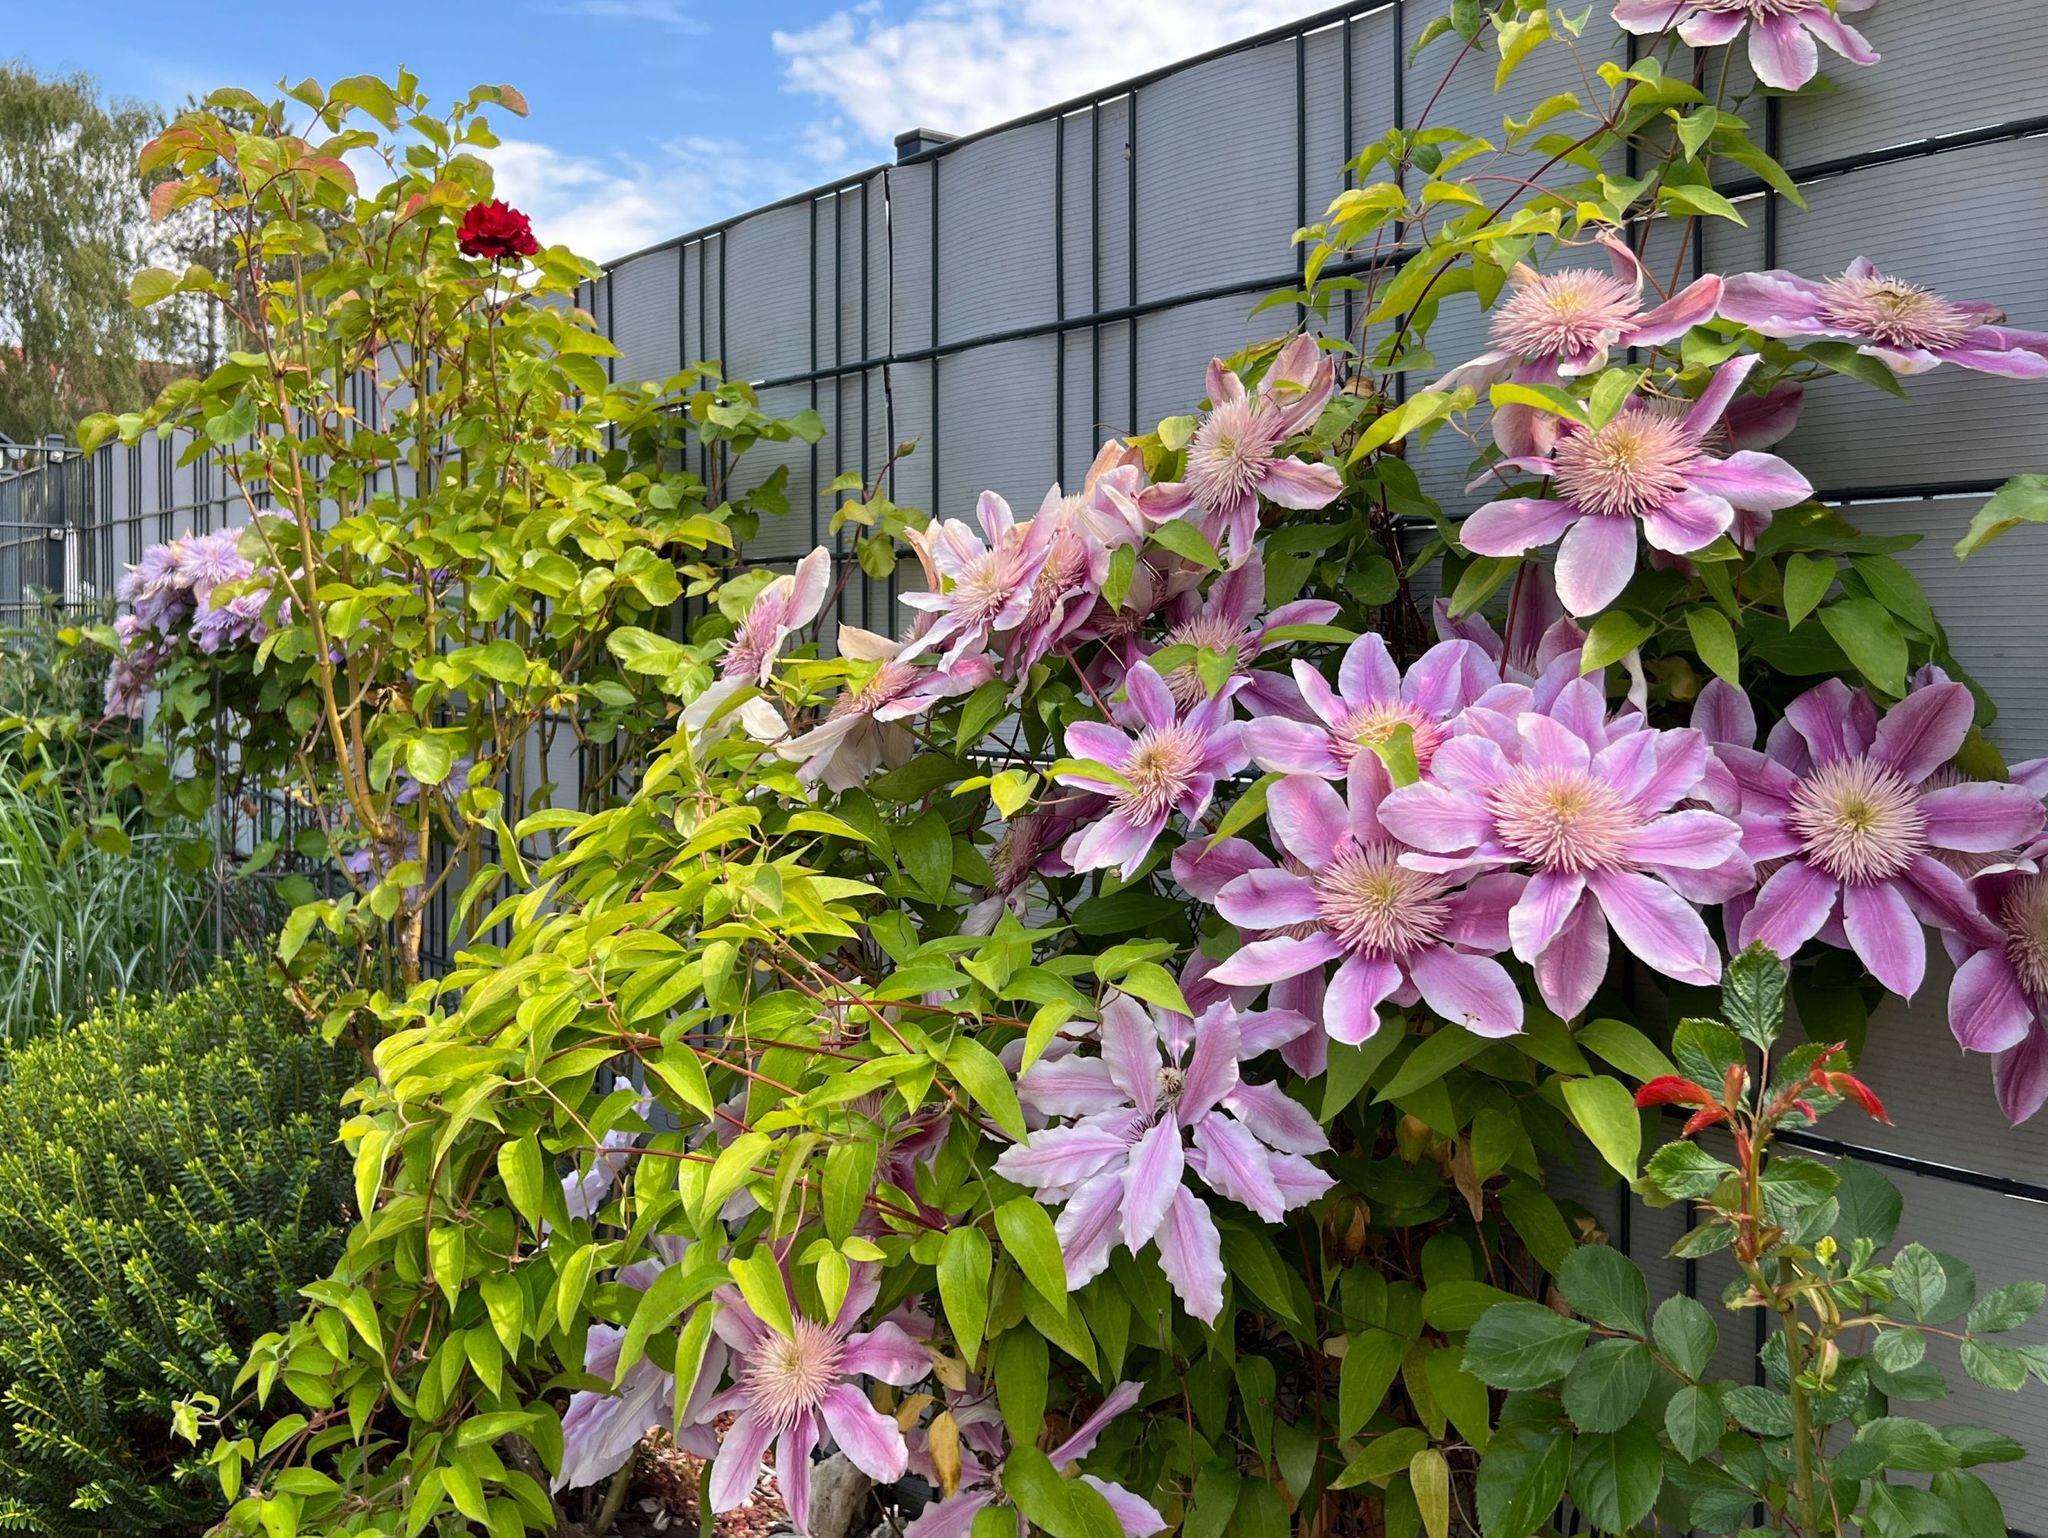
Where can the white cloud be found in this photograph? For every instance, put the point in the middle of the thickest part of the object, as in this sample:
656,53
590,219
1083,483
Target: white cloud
605,208
662,13
959,65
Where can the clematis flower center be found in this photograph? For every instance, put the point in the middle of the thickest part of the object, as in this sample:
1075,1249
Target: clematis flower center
1162,763
1858,821
1561,819
1894,313
753,640
983,589
1374,904
1172,1082
1759,10
2024,917
891,681
1229,453
1564,314
784,1377
1634,465
1373,727
1064,573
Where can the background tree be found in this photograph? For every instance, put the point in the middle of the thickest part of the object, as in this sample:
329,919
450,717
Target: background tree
74,225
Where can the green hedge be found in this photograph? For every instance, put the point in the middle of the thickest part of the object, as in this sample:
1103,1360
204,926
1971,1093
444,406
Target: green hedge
169,1179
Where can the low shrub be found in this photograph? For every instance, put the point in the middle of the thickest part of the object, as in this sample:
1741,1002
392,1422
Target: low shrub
169,1179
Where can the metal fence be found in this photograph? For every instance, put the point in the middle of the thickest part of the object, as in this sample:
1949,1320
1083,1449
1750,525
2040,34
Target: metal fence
1007,299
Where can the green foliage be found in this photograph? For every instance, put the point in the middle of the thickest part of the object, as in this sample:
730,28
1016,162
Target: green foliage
1817,1446
168,1183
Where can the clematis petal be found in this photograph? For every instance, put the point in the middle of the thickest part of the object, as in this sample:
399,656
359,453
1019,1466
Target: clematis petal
1191,1255
1677,315
1434,818
737,1467
1135,1515
1569,971
1081,1441
1275,1119
1308,818
870,1439
1595,562
2021,1077
1790,908
1987,1008
1924,730
1761,483
1690,521
1282,746
1130,1050
1660,928
886,1352
1782,52
1087,1227
1691,840
1547,902
1885,935
1516,525
1294,483
1234,1165
1275,959
1355,994
1150,1181
1367,675
1212,1067
1473,991
1981,818
1061,1156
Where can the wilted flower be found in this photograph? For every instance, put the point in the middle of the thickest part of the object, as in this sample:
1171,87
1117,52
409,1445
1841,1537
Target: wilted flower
1371,702
1840,795
1235,455
864,729
1564,323
1164,1097
1340,893
1782,33
1910,329
1537,636
797,1391
1157,762
979,586
1585,804
983,1446
1645,466
778,611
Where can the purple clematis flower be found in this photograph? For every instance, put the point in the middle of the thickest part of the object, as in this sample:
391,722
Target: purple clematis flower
1840,795
1341,893
1562,324
1783,34
1998,1000
1159,762
1645,466
1372,701
1228,621
864,729
984,1450
797,1391
779,611
1235,456
1908,328
981,584
1586,804
1086,527
601,1429
1164,1098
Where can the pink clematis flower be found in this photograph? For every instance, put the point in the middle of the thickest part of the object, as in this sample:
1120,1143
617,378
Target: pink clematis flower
1164,1098
1998,1000
1840,795
779,611
1586,804
1906,327
1564,323
797,1391
1341,893
1159,761
984,1450
1783,34
864,729
1235,456
979,585
1645,466
1228,621
1371,701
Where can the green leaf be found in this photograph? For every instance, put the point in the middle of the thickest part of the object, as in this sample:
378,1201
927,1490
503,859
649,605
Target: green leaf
1383,1457
1918,1280
1149,981
1018,1359
1807,580
1686,1333
1607,1385
1766,1413
1973,1508
1870,1204
1435,1056
1372,1358
1606,1112
1870,638
151,285
965,1261
849,1173
1753,996
1614,635
1607,1287
2023,499
761,1284
1429,1476
925,848
1851,360
1615,1476
1685,1172
1699,200
1625,1047
1521,1479
1185,540
1713,638
1523,1345
1477,583
1897,1444
674,1290
1694,1422
520,1167
2006,1309
1456,1303
1029,1239
981,1073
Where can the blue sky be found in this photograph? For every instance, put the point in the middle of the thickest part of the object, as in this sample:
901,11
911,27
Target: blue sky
650,117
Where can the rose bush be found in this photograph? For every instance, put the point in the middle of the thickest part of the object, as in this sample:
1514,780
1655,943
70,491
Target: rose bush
1102,1048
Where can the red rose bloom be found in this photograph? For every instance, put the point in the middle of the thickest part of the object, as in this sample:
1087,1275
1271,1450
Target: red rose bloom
496,232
